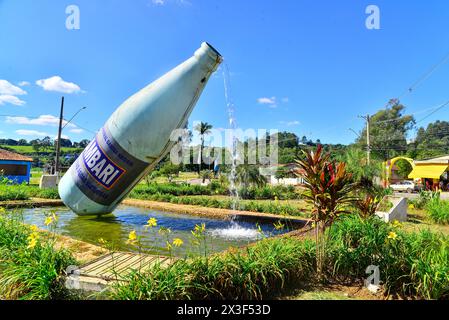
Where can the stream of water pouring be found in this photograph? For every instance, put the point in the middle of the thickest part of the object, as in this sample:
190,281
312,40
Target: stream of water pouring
230,107
235,230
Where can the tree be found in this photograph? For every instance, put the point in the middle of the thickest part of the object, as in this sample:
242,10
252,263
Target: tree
249,175
287,140
203,128
388,131
404,168
151,177
36,144
22,142
65,143
169,170
46,143
328,188
206,175
83,143
431,142
356,164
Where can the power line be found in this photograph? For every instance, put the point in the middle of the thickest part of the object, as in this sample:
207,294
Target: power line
436,110
428,73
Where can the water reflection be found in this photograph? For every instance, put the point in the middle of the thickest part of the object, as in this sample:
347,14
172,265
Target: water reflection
115,228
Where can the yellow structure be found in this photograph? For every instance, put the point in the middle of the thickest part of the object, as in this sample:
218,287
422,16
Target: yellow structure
430,169
390,164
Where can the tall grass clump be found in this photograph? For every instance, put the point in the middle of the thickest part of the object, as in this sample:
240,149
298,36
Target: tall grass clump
13,192
409,263
256,272
438,210
30,266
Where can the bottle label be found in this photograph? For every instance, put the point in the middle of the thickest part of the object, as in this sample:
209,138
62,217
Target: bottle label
104,170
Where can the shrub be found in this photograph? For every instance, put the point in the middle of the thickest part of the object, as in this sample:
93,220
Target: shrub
256,272
416,263
29,273
13,192
438,211
424,198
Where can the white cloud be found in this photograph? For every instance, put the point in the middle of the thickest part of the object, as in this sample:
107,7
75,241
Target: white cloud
7,88
5,98
158,2
35,133
290,123
24,83
266,100
271,102
42,120
57,84
77,130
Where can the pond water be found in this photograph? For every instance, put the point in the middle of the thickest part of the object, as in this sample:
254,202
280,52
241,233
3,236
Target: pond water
115,228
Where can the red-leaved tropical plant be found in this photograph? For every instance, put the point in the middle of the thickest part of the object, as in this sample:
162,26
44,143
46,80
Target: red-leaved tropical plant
367,206
328,188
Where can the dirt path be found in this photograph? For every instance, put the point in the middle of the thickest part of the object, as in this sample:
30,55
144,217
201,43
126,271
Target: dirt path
33,202
210,212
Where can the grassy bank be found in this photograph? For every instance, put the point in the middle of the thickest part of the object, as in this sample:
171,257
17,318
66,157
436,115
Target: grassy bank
25,192
273,207
30,266
215,188
411,265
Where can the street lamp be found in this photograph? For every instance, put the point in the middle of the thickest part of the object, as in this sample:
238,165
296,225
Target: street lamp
58,143
73,116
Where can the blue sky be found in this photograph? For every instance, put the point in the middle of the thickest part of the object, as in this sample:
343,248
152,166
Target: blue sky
309,67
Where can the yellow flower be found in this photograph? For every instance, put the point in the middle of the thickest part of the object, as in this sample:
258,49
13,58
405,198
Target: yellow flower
152,222
132,237
411,206
177,242
169,246
200,228
33,228
278,226
392,235
48,221
32,240
101,241
397,224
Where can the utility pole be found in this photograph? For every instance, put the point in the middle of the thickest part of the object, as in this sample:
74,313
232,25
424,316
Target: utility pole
368,141
58,142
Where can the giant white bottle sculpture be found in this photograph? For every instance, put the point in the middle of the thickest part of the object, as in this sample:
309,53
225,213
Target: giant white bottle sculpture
136,137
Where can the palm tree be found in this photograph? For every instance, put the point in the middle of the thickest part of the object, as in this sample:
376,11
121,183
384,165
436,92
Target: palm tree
203,128
250,175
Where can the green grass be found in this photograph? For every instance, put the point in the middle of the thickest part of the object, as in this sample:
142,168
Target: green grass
29,273
14,192
438,211
25,192
259,271
30,149
35,176
410,264
273,207
413,265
